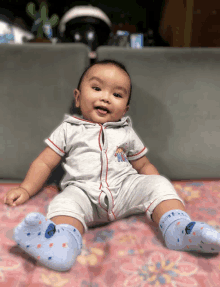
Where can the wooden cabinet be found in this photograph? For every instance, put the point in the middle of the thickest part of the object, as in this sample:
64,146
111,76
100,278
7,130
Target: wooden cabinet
191,23
206,23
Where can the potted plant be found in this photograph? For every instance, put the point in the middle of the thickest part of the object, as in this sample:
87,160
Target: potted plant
42,24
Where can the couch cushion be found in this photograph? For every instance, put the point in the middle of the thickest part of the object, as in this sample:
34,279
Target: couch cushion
175,106
37,83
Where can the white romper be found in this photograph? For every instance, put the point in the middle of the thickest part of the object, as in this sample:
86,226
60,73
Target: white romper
100,184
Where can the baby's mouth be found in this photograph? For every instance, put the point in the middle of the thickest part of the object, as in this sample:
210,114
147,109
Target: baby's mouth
102,110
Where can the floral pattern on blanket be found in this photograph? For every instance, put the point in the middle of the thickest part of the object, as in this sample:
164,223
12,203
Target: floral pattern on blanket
126,253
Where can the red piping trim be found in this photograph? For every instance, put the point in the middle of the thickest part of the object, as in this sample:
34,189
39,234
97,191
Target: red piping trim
137,153
82,120
99,138
149,206
101,161
114,215
106,169
105,177
56,146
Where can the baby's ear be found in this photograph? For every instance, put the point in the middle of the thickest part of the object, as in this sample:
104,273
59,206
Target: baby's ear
126,110
76,94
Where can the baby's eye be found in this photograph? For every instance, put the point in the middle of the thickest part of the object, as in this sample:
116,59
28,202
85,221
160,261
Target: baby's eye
96,88
118,95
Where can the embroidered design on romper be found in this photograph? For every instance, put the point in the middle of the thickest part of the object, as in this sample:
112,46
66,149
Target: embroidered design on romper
120,154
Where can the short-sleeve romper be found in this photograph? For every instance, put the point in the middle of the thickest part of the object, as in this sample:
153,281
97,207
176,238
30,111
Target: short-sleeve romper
100,184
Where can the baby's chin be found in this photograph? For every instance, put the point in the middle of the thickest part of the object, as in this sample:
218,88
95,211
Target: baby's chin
101,120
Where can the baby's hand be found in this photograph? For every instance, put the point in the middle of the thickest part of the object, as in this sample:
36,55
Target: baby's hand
16,196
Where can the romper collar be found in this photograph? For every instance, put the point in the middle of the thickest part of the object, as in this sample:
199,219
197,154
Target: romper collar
79,120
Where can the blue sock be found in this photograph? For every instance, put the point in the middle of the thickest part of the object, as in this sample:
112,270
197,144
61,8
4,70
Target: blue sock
55,246
183,234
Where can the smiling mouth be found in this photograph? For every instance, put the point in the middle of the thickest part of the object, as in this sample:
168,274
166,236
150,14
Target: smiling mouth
102,110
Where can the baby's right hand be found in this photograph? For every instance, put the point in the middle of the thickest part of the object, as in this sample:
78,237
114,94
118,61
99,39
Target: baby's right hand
16,196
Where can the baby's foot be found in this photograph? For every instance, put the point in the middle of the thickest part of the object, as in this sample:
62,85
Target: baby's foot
185,235
55,246
194,236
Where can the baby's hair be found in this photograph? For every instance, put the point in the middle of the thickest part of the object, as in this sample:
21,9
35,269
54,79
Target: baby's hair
102,62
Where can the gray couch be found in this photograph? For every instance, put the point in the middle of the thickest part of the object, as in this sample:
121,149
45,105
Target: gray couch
175,104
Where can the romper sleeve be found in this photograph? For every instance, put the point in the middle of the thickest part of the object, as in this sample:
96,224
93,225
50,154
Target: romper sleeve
136,147
58,139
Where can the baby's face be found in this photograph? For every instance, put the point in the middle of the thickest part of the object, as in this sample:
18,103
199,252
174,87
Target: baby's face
103,92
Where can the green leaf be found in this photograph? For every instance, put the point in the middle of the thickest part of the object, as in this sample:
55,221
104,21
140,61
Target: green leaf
54,20
43,13
30,9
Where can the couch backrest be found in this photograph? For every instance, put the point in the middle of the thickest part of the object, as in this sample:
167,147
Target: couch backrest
36,84
175,106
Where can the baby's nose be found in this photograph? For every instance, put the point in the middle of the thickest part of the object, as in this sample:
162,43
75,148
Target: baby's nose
105,96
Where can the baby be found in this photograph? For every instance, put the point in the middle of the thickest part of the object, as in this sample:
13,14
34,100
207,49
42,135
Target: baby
107,177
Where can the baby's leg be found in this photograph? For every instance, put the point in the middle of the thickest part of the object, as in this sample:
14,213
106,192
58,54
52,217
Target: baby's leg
55,243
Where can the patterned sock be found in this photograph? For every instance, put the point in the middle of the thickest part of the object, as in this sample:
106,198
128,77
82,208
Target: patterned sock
180,233
55,246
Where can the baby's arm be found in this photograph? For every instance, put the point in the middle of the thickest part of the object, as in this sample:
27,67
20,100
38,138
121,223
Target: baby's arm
40,170
143,166
38,173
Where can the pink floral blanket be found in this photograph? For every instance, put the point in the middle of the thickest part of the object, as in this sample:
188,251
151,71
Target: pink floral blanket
129,252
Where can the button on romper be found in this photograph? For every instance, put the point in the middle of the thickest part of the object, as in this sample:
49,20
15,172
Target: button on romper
100,184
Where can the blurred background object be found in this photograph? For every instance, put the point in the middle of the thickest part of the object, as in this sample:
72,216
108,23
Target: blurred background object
134,17
43,25
85,24
191,23
175,23
13,30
